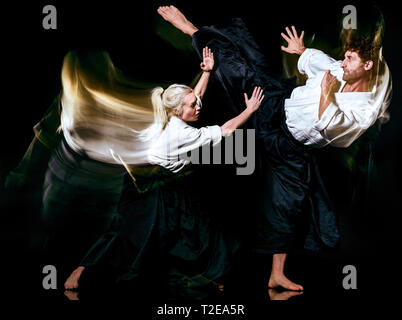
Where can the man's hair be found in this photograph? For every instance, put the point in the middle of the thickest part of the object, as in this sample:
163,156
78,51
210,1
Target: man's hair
367,38
364,46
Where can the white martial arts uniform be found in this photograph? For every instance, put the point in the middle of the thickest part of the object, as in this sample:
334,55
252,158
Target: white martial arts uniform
179,138
343,121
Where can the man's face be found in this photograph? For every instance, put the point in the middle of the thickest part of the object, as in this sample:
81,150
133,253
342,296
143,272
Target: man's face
190,108
353,67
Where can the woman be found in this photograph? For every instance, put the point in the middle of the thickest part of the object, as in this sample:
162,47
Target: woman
169,218
100,114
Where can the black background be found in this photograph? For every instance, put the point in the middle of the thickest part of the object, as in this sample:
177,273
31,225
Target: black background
31,64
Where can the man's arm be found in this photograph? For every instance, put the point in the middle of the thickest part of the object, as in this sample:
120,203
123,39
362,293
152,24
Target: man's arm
206,65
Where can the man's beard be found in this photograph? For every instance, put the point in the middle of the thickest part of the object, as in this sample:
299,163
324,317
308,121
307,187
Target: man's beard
349,77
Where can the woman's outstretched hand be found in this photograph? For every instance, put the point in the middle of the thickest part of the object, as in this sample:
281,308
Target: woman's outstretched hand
255,101
252,105
207,63
295,43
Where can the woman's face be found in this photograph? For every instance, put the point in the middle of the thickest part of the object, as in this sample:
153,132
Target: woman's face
190,108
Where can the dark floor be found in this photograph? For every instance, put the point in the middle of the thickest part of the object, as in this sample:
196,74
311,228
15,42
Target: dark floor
370,241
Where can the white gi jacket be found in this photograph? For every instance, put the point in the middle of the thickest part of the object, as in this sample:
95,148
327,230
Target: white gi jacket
343,121
178,138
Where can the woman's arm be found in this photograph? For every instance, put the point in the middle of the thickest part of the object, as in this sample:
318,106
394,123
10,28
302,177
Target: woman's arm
206,65
252,105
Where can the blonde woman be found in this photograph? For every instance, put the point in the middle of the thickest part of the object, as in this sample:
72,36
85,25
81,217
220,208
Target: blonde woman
169,224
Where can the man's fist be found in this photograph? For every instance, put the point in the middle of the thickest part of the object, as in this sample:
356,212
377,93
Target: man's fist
329,85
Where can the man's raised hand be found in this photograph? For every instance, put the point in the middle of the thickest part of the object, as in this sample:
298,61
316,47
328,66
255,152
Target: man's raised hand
295,43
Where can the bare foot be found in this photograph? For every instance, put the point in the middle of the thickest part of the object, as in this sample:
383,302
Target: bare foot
285,295
72,281
219,285
176,18
280,280
71,295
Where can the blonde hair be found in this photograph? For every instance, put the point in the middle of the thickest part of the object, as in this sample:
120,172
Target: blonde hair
165,101
95,92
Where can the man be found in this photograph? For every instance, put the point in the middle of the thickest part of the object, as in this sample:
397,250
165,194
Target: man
338,103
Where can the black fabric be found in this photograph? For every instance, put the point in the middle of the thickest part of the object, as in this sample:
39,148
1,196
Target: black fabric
80,198
168,229
295,205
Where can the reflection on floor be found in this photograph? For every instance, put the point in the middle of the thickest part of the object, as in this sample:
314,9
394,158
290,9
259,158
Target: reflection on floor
246,284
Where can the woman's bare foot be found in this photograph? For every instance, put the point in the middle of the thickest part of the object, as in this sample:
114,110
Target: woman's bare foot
219,285
285,295
177,18
71,295
72,281
279,280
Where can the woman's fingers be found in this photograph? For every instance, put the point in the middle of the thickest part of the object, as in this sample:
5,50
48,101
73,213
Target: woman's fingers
302,35
207,53
255,89
257,92
260,96
260,93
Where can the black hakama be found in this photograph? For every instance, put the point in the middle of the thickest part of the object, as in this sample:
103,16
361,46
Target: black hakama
295,205
80,198
164,225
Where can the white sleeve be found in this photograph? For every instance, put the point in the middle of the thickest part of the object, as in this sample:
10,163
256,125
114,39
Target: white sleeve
313,62
192,138
347,119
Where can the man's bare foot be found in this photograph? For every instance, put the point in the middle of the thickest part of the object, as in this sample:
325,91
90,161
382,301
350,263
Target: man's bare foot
71,295
176,18
72,281
285,295
280,280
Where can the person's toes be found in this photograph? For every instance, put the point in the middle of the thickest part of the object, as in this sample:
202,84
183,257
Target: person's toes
295,287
